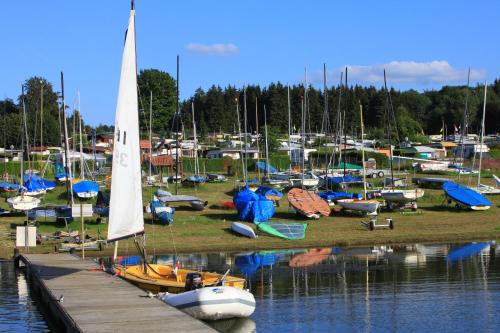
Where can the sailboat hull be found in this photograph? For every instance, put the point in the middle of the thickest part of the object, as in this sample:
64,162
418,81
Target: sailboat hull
23,203
161,278
367,206
402,196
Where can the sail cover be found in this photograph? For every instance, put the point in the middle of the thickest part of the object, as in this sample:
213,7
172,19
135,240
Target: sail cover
125,209
284,229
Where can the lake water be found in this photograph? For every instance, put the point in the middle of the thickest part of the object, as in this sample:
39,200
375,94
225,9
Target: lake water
412,288
417,288
18,312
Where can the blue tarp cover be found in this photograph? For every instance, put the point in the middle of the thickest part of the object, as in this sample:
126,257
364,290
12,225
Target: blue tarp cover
466,251
253,207
250,263
265,191
161,212
343,179
196,179
333,196
9,186
85,186
464,195
264,166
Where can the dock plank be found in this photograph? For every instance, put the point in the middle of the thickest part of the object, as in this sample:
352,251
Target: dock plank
94,301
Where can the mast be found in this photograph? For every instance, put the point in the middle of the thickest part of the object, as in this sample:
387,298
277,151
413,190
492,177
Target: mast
26,133
69,185
289,132
82,170
388,98
304,126
482,134
343,129
196,166
267,148
464,124
176,119
41,117
257,134
239,137
245,124
326,119
150,132
362,147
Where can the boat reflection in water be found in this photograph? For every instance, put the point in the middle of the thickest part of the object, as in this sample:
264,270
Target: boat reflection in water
414,287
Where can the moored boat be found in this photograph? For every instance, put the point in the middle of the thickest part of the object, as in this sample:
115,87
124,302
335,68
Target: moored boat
213,303
165,278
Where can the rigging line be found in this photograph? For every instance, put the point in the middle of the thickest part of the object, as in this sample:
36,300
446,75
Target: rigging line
173,239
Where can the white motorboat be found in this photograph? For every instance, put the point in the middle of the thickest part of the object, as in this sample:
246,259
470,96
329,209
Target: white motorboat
213,303
243,229
367,206
402,196
23,202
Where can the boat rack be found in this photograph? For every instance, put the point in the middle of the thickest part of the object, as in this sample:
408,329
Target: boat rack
372,224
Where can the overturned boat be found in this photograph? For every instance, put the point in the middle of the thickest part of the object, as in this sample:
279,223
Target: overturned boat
308,203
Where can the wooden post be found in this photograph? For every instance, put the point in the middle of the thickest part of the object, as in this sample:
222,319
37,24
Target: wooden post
83,230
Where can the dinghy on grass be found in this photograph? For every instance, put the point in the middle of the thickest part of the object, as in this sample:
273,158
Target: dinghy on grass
161,212
243,230
465,197
86,189
23,202
308,203
194,202
369,206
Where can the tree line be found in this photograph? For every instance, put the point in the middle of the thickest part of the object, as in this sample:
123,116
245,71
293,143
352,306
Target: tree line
215,110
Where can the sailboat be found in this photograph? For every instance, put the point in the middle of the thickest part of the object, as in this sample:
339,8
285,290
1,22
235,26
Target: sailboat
397,197
126,218
23,202
195,179
369,206
84,189
482,188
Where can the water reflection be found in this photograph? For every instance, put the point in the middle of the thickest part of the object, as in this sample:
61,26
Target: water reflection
450,287
18,312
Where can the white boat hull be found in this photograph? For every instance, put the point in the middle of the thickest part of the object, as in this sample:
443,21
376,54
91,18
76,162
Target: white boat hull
402,196
35,193
486,190
213,303
23,202
243,229
87,195
367,206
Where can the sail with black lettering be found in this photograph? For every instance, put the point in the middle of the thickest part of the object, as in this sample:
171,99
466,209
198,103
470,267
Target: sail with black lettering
125,210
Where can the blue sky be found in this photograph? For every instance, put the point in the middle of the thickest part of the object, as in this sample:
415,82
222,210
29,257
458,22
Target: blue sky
423,44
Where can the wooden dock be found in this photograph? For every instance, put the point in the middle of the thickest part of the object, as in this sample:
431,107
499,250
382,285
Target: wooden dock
80,297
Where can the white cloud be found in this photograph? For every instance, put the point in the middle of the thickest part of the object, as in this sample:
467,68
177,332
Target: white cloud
214,49
423,73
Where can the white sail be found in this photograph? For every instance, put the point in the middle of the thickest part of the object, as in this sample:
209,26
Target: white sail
125,208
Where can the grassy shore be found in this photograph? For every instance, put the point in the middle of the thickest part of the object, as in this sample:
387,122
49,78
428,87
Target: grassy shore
209,230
